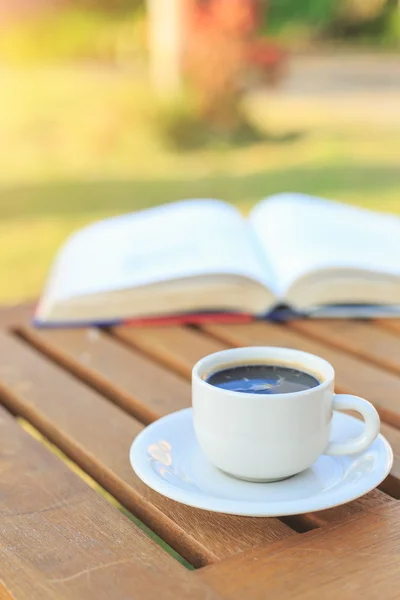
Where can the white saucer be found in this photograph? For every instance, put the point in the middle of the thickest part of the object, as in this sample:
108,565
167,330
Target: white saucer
166,456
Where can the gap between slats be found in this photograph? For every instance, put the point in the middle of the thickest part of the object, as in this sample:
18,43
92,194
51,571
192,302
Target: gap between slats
303,523
353,376
363,339
175,347
180,348
33,432
59,539
281,335
122,376
56,404
299,523
355,560
390,324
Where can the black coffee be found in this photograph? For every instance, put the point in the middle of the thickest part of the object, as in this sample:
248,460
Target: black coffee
262,379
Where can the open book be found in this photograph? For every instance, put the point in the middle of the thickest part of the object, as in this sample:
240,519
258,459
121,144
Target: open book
314,256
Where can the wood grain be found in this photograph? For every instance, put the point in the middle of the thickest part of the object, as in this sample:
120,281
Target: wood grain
177,347
139,385
359,559
4,593
180,348
391,324
353,375
12,316
392,483
253,531
340,514
59,539
97,435
364,339
269,334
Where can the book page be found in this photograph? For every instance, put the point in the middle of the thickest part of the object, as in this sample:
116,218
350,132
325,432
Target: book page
184,239
301,234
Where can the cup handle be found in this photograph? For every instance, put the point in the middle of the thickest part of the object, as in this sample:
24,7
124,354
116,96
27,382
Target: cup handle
371,425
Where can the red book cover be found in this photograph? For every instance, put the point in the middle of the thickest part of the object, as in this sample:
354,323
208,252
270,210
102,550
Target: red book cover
190,319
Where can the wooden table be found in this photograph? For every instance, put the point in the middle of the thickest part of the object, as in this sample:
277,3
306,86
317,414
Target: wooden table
89,392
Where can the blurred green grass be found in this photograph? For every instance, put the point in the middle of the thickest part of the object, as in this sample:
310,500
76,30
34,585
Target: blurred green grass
109,32
75,33
79,143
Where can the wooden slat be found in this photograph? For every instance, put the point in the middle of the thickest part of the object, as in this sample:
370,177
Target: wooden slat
391,324
139,385
353,375
97,435
370,342
177,347
392,483
11,316
308,521
4,593
365,340
59,539
347,511
359,559
180,346
346,374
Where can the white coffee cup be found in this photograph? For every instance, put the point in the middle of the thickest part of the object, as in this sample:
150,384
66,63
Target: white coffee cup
266,437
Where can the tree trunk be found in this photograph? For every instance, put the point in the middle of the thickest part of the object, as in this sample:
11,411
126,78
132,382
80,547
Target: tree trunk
165,28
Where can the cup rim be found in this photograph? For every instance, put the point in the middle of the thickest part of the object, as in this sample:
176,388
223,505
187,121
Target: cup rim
200,368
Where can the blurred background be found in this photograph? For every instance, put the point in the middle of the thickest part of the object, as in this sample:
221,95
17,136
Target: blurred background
110,106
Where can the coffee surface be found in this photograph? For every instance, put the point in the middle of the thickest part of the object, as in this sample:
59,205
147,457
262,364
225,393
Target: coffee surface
262,379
